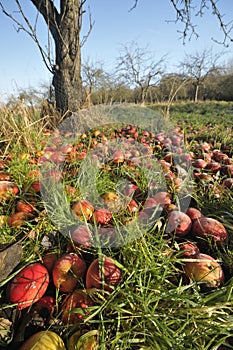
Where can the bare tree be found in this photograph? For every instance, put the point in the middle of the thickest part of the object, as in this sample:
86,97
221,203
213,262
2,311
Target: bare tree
199,66
137,68
64,30
186,11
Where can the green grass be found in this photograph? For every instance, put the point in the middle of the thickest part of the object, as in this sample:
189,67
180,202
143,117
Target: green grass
152,308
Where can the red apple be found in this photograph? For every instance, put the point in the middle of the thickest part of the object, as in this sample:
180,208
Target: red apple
49,260
102,216
28,286
19,218
178,223
75,306
67,271
82,236
194,213
162,197
228,182
103,274
7,190
205,228
189,249
23,206
205,269
83,209
199,163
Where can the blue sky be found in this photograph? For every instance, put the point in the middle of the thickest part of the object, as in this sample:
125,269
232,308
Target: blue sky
21,65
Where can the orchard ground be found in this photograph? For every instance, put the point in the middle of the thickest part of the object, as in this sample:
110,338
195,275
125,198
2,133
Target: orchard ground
103,195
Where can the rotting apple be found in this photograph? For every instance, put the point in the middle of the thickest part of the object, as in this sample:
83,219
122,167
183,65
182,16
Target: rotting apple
23,206
83,209
103,274
28,286
7,190
188,249
102,216
67,271
80,300
204,268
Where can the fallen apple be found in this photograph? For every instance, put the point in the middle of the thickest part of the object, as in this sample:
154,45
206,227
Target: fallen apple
204,268
102,216
84,340
44,340
67,271
103,274
209,228
75,306
83,209
28,286
178,223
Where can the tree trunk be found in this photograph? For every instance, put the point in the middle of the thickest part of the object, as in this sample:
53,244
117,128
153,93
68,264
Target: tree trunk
196,94
65,28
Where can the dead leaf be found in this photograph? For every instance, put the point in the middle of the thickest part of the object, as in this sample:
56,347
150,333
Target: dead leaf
9,259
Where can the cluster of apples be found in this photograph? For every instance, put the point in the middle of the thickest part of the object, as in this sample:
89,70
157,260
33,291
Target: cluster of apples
138,149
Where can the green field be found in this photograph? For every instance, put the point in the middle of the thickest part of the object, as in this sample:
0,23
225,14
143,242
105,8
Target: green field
154,305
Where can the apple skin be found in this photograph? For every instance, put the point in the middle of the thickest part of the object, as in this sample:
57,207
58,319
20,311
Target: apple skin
23,206
28,286
67,270
44,340
19,218
102,216
208,271
83,209
162,197
7,189
205,228
45,306
194,213
106,279
77,299
81,236
49,260
178,223
189,249
228,182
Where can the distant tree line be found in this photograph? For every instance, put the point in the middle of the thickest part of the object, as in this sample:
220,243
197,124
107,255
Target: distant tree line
140,78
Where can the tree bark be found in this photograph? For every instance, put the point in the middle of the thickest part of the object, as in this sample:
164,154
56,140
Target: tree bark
65,28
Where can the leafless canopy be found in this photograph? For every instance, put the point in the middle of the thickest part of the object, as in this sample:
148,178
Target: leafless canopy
187,10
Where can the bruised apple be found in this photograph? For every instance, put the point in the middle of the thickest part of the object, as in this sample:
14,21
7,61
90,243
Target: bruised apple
28,286
7,189
178,222
76,300
188,249
204,268
44,340
83,209
102,216
103,274
67,270
205,228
